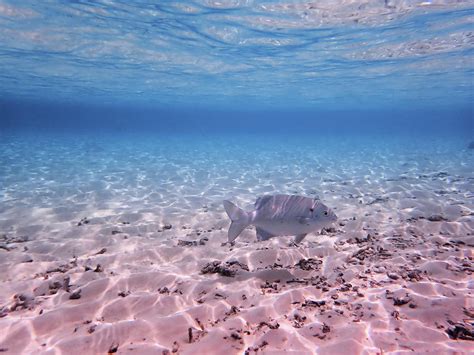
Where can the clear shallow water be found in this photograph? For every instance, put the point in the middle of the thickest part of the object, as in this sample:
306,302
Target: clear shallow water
342,54
94,91
175,176
124,124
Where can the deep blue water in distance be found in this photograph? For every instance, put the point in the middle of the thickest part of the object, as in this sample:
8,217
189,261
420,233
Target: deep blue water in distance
238,66
455,123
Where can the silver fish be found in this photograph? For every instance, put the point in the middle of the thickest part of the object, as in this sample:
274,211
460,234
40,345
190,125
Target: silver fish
280,215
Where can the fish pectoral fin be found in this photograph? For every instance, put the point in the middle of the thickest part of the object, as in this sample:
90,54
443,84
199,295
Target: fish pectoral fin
299,238
303,220
263,234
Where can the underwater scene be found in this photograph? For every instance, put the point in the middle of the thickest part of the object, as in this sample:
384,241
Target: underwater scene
236,177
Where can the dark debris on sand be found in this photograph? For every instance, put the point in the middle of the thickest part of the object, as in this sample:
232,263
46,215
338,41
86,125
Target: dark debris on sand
311,303
228,269
52,286
196,334
123,293
432,218
377,200
274,325
437,218
11,240
101,251
370,252
192,243
113,348
326,328
461,331
164,227
22,301
7,241
309,264
256,348
83,221
75,295
399,301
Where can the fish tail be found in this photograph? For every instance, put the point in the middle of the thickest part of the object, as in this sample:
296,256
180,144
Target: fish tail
240,220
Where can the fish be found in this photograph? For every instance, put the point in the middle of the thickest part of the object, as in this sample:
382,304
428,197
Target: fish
280,215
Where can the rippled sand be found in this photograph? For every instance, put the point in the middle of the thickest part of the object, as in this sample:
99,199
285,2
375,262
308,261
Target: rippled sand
118,246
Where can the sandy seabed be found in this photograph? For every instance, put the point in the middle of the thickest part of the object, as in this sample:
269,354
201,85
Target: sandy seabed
121,248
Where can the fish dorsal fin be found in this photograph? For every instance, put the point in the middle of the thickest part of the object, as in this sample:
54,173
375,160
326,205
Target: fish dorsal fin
261,201
263,234
316,202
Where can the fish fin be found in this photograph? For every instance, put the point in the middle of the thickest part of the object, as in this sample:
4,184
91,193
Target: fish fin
303,220
299,238
263,234
240,220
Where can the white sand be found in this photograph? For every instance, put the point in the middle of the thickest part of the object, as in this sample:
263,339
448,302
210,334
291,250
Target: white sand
393,276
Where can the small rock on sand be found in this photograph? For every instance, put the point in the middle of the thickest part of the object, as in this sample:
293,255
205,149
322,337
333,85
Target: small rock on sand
393,276
436,218
401,301
461,331
326,328
113,348
192,243
75,295
229,269
309,264
83,221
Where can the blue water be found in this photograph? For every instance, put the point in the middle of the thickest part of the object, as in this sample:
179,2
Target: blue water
250,86
197,76
124,124
239,53
238,66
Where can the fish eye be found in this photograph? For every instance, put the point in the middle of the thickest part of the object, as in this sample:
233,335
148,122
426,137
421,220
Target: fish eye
325,213
311,209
